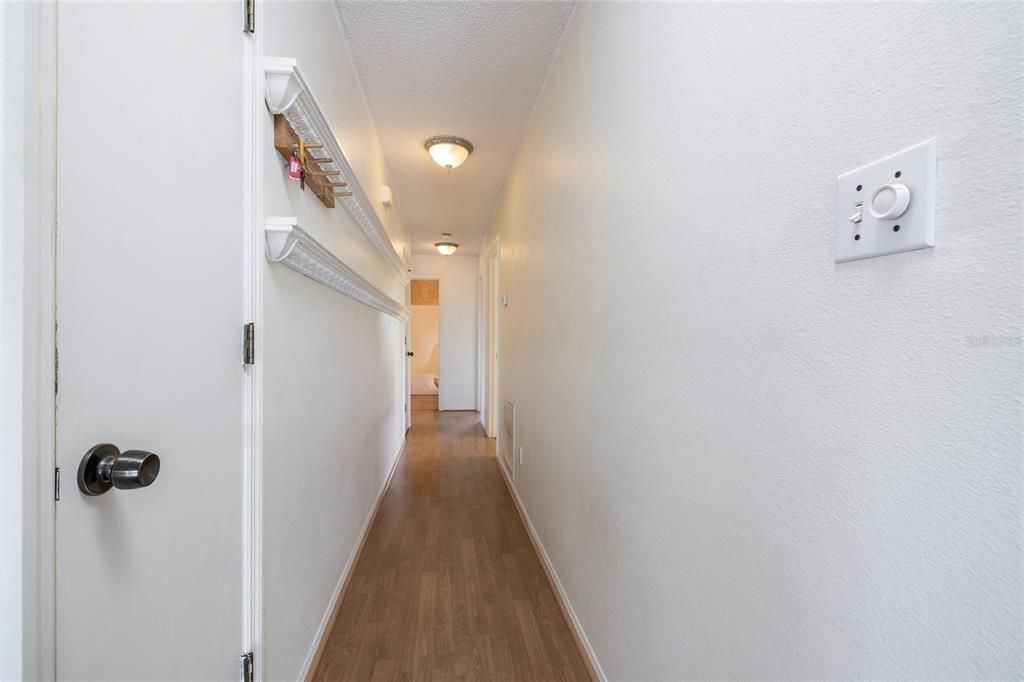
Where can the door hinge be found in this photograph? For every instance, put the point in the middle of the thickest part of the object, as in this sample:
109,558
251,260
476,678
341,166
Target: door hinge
250,15
249,354
56,484
247,673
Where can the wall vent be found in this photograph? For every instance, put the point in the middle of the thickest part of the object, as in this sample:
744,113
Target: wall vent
507,438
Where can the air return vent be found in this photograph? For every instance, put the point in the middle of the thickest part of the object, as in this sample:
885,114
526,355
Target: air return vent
507,438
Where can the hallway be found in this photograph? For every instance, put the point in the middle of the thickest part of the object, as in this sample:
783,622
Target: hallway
448,586
733,292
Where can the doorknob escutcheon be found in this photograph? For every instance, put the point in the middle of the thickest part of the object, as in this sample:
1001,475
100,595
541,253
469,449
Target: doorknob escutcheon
104,467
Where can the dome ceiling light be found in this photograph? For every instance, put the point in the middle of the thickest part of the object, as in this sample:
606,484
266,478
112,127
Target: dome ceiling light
448,151
446,248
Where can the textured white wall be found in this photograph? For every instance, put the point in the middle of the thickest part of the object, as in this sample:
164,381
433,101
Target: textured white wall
743,459
333,368
458,275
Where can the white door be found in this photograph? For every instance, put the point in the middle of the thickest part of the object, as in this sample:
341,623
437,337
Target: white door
149,307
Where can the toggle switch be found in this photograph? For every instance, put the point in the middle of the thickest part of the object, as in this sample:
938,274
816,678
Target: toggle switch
889,202
858,214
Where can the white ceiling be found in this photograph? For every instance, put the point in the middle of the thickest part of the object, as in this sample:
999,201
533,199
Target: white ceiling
472,69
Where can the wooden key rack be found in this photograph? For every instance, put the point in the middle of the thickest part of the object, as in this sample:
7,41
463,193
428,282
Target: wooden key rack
323,183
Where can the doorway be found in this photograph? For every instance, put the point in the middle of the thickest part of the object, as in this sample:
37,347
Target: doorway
425,342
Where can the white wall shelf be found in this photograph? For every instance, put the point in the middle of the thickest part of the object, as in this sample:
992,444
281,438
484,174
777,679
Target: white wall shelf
289,244
288,94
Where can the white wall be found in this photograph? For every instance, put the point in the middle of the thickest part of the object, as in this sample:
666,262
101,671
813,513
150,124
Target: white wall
334,369
743,459
458,275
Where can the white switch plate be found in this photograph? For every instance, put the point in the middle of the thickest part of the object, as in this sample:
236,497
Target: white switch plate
914,167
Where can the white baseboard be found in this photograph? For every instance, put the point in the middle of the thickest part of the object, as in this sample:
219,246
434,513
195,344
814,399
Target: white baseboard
509,477
594,667
327,622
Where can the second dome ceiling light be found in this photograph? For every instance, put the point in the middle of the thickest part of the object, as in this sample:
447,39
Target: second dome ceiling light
446,248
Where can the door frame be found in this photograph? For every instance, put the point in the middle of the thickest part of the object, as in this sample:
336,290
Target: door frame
28,315
481,348
252,244
492,333
407,332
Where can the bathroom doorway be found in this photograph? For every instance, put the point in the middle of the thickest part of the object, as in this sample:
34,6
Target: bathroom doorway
425,338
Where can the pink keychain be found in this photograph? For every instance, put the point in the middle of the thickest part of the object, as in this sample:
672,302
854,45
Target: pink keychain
294,167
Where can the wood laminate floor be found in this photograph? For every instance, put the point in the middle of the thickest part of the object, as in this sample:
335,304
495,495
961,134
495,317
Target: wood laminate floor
424,402
448,586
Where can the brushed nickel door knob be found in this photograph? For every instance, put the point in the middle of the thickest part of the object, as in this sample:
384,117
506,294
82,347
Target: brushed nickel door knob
104,467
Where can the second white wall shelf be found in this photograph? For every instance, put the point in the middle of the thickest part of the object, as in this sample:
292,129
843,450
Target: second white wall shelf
289,244
288,93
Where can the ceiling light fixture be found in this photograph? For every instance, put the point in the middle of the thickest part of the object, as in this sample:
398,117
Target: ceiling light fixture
446,248
448,151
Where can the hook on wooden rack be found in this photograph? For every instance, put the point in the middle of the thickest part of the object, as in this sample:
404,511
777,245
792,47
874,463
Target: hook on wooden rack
320,180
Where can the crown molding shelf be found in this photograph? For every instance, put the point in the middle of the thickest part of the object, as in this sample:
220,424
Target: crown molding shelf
288,94
289,244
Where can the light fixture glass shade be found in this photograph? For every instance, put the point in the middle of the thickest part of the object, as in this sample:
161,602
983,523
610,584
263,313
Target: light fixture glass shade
448,152
446,248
